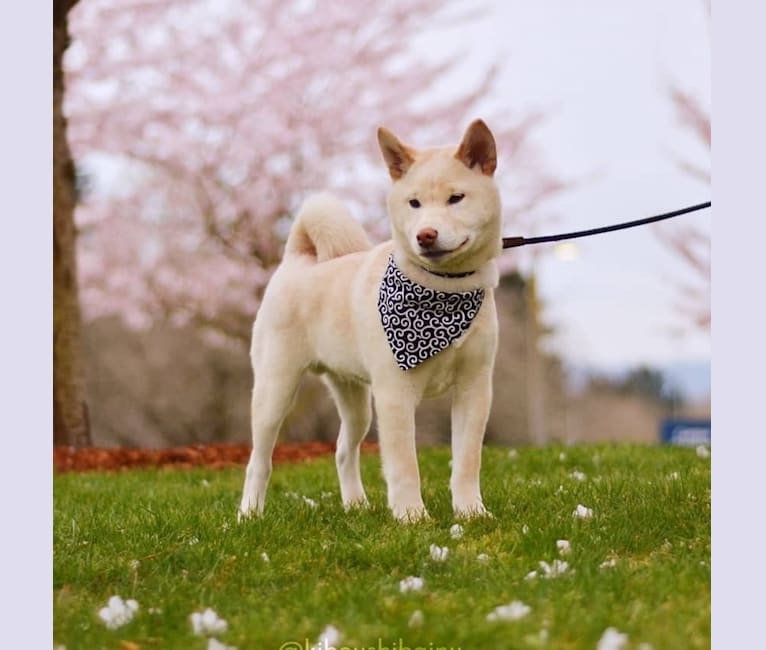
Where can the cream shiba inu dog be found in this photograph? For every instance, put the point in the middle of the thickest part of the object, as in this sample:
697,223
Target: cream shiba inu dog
396,323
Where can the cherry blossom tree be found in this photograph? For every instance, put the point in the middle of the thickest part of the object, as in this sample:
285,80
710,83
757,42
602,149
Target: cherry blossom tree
213,120
688,241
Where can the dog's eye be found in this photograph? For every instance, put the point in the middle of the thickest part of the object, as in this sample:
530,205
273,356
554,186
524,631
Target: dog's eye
455,198
414,203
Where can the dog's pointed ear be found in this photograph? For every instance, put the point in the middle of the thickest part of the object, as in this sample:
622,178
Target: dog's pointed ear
398,156
478,148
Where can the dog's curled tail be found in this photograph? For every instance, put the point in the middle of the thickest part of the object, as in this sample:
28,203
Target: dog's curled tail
324,229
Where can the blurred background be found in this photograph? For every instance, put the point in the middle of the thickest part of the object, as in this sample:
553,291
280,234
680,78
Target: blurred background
196,128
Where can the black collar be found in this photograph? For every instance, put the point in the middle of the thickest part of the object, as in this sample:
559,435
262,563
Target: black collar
447,275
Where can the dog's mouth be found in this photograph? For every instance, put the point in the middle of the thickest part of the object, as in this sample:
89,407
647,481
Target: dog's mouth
438,253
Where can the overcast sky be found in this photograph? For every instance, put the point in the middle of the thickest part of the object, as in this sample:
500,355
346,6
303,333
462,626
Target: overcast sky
602,69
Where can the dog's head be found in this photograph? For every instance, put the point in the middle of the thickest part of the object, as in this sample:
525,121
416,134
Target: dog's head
444,204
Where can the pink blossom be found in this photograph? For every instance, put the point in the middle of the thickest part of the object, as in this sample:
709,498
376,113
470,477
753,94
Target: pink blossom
209,123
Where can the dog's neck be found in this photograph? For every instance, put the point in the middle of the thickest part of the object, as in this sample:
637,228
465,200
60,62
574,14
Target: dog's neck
484,277
448,275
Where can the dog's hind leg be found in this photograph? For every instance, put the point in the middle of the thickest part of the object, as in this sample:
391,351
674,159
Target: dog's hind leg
355,410
276,381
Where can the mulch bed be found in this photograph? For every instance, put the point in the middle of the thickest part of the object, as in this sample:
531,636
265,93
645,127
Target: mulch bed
216,456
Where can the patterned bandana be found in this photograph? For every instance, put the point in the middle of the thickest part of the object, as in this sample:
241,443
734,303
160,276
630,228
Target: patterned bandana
420,322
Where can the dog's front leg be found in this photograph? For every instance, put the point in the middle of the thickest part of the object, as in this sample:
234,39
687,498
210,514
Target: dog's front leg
470,410
395,410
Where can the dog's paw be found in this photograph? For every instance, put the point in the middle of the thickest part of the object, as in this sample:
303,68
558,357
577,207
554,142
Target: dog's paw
356,504
410,514
248,510
471,511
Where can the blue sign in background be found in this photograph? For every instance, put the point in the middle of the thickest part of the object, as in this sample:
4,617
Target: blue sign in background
688,433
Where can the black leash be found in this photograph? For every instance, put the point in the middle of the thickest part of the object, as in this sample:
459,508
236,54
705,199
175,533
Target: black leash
513,242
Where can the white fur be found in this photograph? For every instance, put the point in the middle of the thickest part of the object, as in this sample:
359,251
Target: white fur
319,313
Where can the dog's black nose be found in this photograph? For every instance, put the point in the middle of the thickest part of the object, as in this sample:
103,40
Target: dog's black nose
427,237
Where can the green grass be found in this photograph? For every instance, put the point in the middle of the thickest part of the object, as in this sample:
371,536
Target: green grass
170,540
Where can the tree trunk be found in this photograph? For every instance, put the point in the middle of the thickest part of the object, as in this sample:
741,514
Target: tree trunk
535,378
70,412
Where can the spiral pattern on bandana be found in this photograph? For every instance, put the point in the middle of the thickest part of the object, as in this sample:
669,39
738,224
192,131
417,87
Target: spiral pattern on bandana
420,322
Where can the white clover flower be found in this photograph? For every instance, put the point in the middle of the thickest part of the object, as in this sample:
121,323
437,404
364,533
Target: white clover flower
411,583
193,541
482,557
118,612
582,512
215,644
207,623
563,546
456,531
612,639
703,451
513,611
438,553
205,483
608,564
577,475
416,620
555,569
265,557
329,638
674,476
134,564
562,456
525,529
513,454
